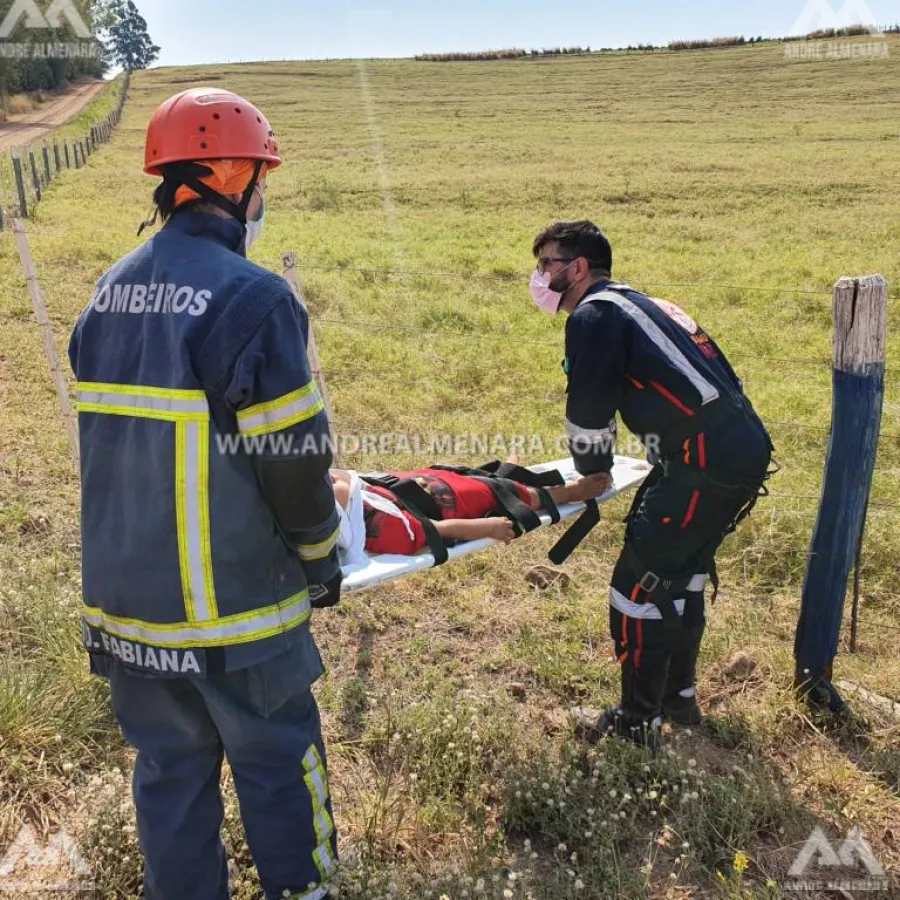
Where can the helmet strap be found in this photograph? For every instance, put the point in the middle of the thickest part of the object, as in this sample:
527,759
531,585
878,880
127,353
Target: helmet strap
189,174
150,222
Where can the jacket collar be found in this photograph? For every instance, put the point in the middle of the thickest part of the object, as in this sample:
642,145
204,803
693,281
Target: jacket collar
227,232
596,287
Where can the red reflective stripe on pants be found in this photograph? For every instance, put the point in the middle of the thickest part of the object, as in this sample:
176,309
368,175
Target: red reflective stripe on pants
692,508
701,450
640,643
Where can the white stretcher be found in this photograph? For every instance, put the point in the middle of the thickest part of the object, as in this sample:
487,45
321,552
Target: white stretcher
627,474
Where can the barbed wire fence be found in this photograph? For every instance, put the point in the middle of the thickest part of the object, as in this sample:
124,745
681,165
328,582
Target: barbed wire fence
26,172
811,372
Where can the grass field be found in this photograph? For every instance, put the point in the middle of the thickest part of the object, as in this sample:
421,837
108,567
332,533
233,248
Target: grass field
737,183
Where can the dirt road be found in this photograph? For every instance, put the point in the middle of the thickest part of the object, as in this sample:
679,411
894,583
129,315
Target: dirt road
23,130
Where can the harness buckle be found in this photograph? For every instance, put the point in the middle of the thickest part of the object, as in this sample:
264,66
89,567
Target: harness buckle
649,585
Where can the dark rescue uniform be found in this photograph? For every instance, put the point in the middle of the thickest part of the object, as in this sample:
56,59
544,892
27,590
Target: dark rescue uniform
649,361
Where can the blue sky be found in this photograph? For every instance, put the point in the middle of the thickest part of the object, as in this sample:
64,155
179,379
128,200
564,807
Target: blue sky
202,31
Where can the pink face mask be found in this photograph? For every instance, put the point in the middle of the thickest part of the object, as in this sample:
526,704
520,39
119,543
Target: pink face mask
545,299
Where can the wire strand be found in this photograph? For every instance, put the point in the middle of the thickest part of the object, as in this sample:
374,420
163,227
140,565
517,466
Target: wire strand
517,276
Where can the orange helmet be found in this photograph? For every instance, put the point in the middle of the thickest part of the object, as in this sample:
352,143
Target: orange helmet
208,123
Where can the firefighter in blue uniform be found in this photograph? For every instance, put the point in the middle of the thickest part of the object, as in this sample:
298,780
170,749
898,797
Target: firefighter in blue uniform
208,518
648,361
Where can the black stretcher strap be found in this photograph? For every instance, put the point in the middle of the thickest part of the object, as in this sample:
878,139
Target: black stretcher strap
501,478
583,526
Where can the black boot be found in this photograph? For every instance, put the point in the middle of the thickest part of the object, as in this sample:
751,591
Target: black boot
818,691
615,722
682,710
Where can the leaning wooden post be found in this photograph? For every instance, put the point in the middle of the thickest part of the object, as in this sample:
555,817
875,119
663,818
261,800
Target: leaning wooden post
315,364
860,317
43,321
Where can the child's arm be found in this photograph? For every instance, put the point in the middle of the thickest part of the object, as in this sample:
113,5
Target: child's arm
340,481
498,528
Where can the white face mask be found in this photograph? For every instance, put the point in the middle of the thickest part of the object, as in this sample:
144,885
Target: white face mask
255,226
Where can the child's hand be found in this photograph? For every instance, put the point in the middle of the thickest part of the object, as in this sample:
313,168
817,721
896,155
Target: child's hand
500,529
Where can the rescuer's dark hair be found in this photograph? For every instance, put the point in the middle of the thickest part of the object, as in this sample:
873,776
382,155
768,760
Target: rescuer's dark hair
575,239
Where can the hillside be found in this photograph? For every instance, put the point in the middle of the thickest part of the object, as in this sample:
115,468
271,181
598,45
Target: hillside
737,183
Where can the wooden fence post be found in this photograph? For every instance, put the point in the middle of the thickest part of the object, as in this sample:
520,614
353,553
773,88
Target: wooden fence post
46,154
315,364
860,324
20,183
35,178
56,155
66,148
40,312
34,175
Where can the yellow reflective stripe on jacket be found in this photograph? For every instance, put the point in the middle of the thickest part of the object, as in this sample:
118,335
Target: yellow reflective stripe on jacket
151,403
316,780
131,390
192,506
276,415
226,631
189,411
312,552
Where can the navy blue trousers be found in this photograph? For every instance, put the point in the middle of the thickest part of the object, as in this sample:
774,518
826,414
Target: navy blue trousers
267,725
673,526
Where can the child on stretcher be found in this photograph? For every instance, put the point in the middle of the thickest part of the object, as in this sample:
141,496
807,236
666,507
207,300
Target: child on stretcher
373,520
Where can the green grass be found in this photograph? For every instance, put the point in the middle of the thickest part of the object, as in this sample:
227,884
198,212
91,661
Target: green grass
737,183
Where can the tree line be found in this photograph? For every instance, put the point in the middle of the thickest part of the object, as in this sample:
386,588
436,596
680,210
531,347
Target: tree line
36,59
737,41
